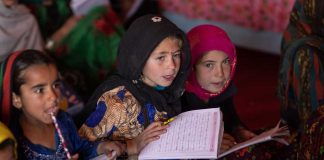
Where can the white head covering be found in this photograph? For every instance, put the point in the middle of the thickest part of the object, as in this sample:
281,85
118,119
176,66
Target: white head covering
18,30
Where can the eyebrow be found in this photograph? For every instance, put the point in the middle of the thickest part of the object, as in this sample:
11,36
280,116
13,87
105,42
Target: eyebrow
211,61
43,84
165,52
208,61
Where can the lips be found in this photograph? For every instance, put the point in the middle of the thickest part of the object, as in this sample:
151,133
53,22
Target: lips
52,110
218,84
169,77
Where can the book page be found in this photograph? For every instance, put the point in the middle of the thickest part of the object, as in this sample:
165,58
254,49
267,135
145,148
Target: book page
272,134
192,134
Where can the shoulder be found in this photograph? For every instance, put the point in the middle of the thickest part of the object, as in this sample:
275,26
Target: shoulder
64,119
118,95
111,103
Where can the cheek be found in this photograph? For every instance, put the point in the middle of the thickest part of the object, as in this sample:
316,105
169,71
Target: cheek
203,76
227,72
178,63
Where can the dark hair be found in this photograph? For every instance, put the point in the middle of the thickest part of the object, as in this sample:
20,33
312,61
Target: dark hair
7,142
26,59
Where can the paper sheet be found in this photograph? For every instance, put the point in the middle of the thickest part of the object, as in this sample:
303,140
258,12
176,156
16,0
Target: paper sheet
192,134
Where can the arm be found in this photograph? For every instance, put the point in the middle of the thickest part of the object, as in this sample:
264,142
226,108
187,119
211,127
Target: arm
100,123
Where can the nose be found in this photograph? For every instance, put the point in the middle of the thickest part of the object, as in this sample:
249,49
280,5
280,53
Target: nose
171,64
53,94
219,71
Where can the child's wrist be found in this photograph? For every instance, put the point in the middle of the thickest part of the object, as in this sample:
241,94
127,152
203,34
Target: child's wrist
131,148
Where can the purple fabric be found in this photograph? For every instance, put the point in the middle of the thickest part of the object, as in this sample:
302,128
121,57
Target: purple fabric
204,38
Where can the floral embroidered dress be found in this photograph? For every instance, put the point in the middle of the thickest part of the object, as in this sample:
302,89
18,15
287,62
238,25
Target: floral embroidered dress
118,116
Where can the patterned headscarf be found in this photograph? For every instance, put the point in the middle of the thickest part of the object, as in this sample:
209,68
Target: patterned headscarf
305,29
6,86
300,88
204,38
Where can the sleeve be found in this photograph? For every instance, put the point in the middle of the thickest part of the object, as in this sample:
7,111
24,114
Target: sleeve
104,120
86,149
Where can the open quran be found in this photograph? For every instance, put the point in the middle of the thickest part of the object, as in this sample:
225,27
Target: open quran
198,134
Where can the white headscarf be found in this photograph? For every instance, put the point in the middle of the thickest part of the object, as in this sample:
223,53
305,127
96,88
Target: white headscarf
18,30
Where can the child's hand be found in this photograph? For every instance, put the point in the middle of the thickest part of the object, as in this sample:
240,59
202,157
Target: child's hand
75,156
108,147
151,133
227,142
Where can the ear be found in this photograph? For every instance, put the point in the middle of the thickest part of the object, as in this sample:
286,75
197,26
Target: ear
16,101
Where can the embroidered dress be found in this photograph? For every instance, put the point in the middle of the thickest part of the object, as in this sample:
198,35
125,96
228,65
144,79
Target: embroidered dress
118,116
75,144
301,81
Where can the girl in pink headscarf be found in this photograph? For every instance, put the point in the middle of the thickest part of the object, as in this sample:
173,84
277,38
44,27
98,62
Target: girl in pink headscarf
210,82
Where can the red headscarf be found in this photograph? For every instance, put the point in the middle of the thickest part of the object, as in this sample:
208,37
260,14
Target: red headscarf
204,38
5,86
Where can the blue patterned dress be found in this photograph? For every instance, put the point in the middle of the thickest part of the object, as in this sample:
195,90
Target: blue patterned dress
75,144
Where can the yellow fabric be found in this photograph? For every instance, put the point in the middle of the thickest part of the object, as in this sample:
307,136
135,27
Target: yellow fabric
5,133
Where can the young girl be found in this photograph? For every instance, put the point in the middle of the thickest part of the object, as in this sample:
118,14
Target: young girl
30,96
210,81
7,143
152,65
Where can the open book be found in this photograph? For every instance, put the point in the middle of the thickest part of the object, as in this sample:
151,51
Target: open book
198,134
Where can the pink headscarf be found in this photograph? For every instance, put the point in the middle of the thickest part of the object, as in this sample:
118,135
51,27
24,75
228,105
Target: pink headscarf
204,38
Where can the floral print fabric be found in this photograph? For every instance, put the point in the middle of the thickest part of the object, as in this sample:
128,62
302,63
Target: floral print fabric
269,15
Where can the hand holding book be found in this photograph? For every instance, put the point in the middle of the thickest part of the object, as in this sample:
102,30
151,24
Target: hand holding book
198,134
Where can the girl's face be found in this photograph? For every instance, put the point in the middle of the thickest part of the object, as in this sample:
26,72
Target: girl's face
40,93
9,3
213,71
162,66
7,153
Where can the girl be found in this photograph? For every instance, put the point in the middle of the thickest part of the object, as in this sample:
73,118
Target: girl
210,81
30,87
152,63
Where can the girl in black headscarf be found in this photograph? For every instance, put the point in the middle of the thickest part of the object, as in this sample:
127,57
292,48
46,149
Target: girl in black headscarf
152,65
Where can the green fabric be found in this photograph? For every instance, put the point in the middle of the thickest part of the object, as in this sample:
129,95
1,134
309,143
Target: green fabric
48,24
90,48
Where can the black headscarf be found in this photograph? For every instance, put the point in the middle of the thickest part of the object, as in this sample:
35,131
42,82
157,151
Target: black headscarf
142,37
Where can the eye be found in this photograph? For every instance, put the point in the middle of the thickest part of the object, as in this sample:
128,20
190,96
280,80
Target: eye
227,61
177,54
57,85
209,65
161,58
39,90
